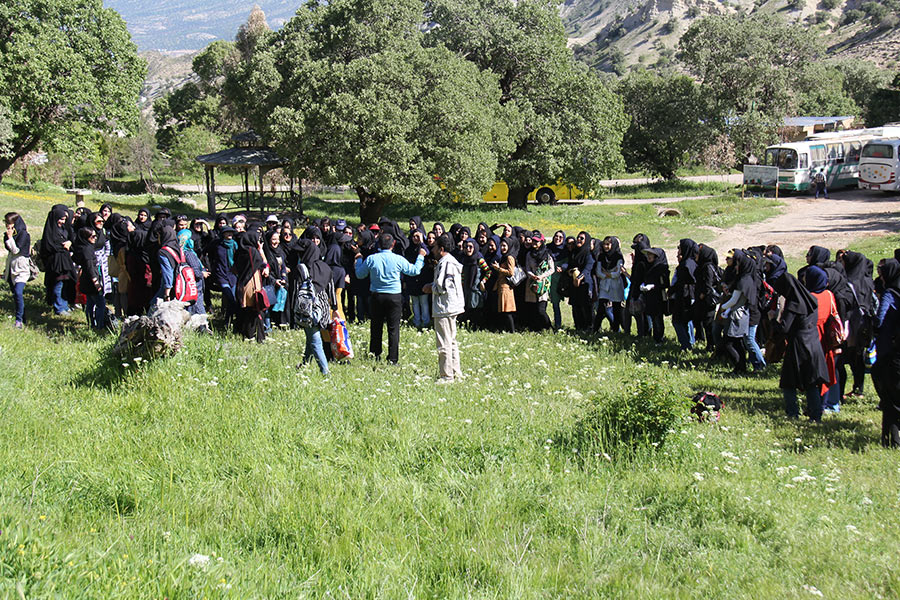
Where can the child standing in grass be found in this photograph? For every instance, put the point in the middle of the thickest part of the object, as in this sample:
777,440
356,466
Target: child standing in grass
18,243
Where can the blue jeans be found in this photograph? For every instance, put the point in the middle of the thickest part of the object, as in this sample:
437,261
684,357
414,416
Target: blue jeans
315,349
229,303
831,400
18,291
753,349
421,310
59,305
813,403
95,309
557,315
684,331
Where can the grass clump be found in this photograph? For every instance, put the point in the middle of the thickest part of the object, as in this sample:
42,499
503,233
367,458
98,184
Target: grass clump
642,413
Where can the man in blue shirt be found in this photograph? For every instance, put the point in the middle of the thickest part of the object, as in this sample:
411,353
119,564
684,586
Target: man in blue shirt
383,270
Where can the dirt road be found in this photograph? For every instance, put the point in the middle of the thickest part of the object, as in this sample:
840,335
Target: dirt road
804,221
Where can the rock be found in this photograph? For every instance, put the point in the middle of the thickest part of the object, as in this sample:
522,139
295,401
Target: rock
668,212
159,333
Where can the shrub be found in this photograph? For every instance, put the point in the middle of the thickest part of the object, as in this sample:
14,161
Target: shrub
852,16
830,4
820,17
670,26
797,4
889,21
641,414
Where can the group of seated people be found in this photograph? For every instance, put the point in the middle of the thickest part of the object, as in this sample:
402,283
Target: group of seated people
832,315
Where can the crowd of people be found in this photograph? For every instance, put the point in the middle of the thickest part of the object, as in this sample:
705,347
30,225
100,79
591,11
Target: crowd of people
833,315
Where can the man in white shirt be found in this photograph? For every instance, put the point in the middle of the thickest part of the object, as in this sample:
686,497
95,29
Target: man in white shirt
446,303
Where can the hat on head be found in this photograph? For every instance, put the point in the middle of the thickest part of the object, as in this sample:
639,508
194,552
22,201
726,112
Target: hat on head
271,219
374,227
340,224
238,218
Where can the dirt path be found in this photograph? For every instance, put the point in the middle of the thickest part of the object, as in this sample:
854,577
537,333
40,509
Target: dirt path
804,221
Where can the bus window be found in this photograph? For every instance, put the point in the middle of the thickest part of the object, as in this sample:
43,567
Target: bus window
803,161
835,152
853,152
783,158
874,150
817,156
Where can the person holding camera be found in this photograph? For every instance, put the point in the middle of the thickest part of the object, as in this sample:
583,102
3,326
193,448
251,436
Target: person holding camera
447,302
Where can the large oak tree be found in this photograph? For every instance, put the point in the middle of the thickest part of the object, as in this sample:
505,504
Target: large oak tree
64,62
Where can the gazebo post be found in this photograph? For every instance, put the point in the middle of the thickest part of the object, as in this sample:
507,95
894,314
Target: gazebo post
247,188
211,190
262,189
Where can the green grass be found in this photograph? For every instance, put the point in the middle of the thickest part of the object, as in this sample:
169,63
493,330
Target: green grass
379,484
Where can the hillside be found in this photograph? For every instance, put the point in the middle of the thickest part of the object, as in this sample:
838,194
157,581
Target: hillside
166,71
614,35
190,25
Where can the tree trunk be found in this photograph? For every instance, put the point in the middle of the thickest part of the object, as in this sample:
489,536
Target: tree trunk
518,197
370,206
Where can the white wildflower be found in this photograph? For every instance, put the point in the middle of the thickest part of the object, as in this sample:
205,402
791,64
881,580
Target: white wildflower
866,500
813,590
698,476
852,529
200,561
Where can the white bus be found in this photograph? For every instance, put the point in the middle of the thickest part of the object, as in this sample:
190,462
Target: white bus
837,153
880,164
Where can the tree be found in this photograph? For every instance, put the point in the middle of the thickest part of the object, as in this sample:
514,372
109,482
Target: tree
64,62
191,143
667,114
884,106
349,92
77,148
750,68
567,124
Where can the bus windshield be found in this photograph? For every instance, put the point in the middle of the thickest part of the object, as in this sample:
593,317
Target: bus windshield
878,151
783,158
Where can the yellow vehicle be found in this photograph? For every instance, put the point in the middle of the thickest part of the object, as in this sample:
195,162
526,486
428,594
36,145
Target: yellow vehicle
545,194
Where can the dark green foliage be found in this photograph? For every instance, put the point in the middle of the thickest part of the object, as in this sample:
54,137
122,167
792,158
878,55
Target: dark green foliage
830,4
852,16
64,63
642,413
666,122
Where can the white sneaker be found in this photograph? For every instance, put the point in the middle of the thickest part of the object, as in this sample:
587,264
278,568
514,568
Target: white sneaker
444,380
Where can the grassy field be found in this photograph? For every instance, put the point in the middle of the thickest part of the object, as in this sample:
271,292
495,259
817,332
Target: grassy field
225,472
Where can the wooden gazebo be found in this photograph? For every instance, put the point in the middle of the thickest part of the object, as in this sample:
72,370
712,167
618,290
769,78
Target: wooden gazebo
248,153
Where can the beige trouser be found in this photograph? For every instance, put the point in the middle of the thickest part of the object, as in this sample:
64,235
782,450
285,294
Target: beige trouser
447,347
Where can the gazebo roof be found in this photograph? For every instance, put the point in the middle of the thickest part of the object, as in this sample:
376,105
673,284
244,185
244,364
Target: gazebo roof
243,157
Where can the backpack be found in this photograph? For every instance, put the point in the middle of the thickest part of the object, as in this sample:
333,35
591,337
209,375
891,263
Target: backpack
184,284
707,406
310,307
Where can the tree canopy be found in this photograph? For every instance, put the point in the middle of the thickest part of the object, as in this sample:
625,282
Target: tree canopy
667,121
64,62
568,123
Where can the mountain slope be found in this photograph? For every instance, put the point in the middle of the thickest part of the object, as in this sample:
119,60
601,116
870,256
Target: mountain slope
191,25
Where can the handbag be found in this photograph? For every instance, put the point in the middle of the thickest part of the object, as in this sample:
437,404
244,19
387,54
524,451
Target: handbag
833,336
517,277
476,298
340,339
33,270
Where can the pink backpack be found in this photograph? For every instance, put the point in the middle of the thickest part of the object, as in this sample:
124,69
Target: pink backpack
185,285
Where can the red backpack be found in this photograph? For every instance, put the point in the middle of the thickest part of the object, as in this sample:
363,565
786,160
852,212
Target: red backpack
185,285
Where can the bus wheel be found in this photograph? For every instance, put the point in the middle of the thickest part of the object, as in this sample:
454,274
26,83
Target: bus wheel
545,196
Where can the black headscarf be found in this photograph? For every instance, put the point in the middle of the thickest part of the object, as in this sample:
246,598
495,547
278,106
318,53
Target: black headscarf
118,234
707,255
275,257
890,274
776,268
580,256
247,258
857,269
494,257
539,255
23,238
818,255
744,268
145,224
609,260
311,256
815,279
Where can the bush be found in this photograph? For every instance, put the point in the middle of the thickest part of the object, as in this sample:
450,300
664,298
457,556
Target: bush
852,16
830,4
671,26
889,21
797,4
642,414
820,17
